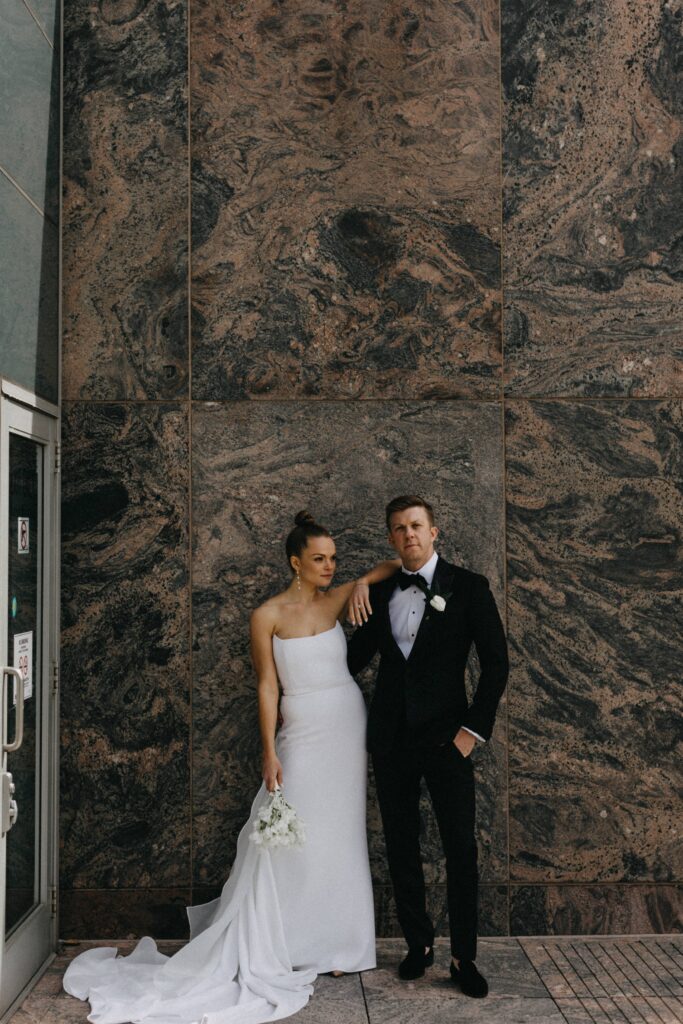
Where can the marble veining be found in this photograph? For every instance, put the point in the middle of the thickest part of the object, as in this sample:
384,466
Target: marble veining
125,668
346,201
593,188
595,581
125,200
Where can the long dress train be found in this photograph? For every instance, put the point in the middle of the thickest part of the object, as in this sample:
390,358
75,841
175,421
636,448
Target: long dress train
285,914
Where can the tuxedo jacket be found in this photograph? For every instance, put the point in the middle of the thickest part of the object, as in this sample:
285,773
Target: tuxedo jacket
423,698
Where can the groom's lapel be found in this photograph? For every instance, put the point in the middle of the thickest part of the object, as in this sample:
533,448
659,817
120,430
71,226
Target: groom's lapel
441,584
389,586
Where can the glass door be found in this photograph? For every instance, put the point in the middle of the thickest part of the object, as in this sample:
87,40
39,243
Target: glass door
28,711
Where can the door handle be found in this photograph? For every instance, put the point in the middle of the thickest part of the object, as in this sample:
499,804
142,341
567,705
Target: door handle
8,748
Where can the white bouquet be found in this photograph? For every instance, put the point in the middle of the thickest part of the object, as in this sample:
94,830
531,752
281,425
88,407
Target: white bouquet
277,823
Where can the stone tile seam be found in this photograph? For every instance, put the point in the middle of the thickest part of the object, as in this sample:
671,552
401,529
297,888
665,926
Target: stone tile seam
645,981
658,961
430,885
392,400
506,707
365,998
540,978
608,954
594,977
585,884
190,447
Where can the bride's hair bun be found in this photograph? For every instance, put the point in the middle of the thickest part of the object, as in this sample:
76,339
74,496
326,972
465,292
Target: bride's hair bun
305,527
304,519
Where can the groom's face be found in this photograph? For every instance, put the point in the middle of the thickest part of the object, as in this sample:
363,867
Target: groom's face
413,536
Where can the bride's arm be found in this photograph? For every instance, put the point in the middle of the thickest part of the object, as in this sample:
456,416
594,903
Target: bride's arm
360,590
261,632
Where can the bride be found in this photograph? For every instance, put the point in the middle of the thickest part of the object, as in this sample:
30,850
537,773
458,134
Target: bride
285,915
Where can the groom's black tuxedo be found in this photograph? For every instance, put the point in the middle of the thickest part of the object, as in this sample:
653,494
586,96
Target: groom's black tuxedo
425,693
418,706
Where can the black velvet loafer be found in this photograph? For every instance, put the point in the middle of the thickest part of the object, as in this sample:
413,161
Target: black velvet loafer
469,979
414,964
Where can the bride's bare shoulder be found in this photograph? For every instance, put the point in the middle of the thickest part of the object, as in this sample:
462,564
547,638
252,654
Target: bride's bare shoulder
266,614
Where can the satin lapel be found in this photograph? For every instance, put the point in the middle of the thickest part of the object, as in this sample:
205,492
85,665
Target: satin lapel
442,579
386,618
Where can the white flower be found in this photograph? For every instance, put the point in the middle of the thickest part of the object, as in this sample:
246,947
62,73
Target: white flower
438,602
277,824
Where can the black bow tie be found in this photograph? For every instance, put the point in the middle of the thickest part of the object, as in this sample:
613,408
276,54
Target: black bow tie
405,580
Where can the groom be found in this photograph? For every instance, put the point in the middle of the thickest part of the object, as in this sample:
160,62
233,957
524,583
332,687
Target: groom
424,621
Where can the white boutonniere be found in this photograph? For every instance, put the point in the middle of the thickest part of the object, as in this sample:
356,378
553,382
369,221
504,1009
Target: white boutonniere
436,600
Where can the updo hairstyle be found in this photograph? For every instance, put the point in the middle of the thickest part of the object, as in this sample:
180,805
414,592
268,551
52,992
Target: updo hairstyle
297,539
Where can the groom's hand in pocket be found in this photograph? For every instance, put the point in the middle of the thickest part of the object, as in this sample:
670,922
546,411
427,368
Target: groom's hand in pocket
465,742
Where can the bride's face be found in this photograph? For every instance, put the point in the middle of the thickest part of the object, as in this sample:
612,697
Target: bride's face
317,562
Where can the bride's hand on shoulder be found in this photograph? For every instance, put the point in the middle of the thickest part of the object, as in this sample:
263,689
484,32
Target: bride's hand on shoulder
272,771
359,608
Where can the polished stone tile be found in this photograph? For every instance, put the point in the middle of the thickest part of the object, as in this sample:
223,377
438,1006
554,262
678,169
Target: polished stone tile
125,801
254,466
454,1006
335,1001
345,200
595,909
125,200
548,981
123,913
610,979
594,592
593,172
48,1003
501,960
516,993
493,909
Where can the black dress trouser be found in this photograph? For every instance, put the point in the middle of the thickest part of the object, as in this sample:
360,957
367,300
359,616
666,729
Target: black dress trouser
450,780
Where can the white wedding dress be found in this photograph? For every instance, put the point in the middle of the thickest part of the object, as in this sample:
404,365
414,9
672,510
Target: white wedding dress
285,914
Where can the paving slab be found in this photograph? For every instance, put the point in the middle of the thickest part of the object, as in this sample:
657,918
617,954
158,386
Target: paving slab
548,980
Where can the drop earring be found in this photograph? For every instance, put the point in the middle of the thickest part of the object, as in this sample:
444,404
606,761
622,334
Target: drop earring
298,580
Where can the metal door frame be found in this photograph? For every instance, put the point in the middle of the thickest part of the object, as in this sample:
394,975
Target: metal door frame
43,418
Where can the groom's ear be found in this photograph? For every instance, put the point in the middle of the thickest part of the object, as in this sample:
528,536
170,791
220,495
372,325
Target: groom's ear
434,532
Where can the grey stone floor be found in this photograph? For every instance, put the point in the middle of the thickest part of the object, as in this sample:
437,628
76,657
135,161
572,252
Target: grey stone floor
595,980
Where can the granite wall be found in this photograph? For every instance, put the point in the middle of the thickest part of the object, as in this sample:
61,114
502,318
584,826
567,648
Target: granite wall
284,233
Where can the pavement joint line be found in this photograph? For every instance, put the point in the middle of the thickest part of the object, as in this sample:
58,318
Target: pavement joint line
365,1000
665,966
619,984
600,983
540,978
640,983
570,986
644,978
643,995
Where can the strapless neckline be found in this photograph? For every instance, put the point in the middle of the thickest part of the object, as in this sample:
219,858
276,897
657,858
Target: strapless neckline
286,639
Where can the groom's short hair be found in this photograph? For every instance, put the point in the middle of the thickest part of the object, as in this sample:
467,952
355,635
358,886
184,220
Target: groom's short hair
405,501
